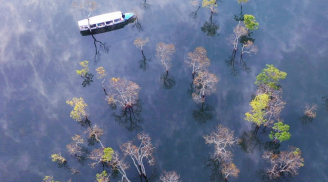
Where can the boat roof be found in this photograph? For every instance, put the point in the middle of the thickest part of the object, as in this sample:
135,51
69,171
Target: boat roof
101,18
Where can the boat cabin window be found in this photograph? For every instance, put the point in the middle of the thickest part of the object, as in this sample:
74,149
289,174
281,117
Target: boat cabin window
109,22
93,26
116,20
101,24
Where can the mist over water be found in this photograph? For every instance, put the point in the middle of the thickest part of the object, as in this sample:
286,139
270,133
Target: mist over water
41,48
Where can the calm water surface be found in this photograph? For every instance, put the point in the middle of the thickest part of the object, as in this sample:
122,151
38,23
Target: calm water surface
41,47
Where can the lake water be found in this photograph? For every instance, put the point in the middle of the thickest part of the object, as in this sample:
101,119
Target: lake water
41,47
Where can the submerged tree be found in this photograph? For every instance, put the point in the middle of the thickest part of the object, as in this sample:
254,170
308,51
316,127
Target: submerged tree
101,72
223,139
229,169
270,76
88,6
94,134
59,159
212,4
138,153
249,48
102,177
170,176
242,2
194,13
257,114
205,83
280,132
84,73
49,179
198,60
239,31
75,148
250,22
123,92
80,109
164,53
139,43
119,165
310,111
285,163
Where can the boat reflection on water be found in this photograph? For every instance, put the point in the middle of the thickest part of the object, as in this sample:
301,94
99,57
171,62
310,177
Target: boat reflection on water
108,28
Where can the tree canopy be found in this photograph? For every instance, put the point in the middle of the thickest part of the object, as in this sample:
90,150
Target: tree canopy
270,76
250,22
281,132
79,111
258,104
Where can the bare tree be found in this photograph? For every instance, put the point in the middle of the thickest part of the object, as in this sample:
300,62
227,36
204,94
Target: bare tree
198,60
170,176
95,133
121,166
164,53
139,42
205,83
123,92
310,111
223,139
249,47
139,153
97,156
229,169
75,148
87,6
239,30
285,163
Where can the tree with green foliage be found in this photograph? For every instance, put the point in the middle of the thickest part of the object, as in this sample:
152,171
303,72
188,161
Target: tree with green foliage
85,69
270,76
108,154
280,132
210,4
242,1
49,179
80,109
257,115
58,159
102,177
250,22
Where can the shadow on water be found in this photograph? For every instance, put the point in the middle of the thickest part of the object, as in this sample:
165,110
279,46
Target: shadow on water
87,79
240,17
99,46
194,13
144,5
203,113
251,140
167,81
130,117
215,166
209,27
143,63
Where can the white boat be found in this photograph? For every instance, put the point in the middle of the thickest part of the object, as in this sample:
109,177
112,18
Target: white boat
103,21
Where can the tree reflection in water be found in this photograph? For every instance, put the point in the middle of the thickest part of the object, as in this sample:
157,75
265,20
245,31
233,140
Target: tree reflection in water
167,81
249,141
209,27
143,63
103,47
203,114
215,166
130,117
87,79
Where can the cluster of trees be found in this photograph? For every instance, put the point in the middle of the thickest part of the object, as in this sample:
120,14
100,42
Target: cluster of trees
265,110
204,82
106,156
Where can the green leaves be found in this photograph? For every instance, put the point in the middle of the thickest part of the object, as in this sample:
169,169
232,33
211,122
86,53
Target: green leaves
85,69
250,22
270,76
102,177
281,132
258,105
108,153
